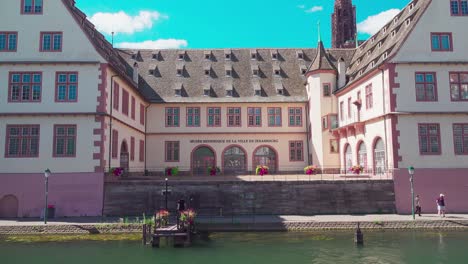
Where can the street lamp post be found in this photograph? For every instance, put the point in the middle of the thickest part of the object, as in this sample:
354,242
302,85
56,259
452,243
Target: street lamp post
46,210
165,195
411,173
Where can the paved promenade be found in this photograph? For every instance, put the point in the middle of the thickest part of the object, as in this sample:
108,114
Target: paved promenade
252,219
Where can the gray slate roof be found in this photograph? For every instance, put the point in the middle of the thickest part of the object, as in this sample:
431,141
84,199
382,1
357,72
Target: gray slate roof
159,80
385,43
321,60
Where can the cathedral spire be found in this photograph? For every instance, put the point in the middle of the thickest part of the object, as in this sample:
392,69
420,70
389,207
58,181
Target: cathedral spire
344,24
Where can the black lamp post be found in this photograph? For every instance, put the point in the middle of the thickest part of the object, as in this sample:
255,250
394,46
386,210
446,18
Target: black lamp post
46,211
411,173
165,195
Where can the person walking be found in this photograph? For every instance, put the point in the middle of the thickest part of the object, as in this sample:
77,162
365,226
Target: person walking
417,202
441,205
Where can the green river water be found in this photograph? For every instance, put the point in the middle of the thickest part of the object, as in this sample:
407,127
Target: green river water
247,248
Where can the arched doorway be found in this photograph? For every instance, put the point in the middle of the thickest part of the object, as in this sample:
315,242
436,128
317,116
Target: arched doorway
234,160
202,158
124,157
265,155
9,207
348,158
379,157
362,155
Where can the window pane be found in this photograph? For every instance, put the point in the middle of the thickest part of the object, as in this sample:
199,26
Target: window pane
25,93
60,146
2,41
11,42
71,131
430,93
38,6
429,77
15,78
464,77
419,78
71,146
445,42
36,92
57,42
464,92
46,39
26,78
61,92
454,77
435,43
72,92
454,92
27,6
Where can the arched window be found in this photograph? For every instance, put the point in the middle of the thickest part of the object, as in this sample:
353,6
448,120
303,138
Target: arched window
348,157
362,155
265,156
379,157
234,161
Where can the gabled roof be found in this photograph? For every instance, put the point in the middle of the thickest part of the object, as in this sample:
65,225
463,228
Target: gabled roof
385,44
102,46
241,78
321,60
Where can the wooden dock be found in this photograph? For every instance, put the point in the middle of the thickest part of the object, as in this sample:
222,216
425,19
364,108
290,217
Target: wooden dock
176,236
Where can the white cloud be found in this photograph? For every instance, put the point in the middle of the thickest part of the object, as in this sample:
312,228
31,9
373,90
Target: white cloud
154,44
121,22
374,23
301,6
314,9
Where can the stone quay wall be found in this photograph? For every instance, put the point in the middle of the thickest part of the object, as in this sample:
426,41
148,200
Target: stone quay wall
133,198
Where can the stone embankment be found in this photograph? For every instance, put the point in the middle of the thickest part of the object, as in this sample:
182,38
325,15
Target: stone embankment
238,227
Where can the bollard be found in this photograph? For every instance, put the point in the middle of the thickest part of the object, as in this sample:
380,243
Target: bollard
358,236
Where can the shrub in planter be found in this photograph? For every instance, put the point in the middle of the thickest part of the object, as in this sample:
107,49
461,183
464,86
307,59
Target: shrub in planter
261,170
357,169
213,170
172,171
312,169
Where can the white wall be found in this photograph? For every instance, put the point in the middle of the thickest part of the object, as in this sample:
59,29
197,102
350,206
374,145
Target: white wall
85,148
56,17
409,142
437,18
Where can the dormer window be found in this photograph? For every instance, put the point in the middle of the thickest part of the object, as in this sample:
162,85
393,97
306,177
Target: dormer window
395,20
208,55
258,92
408,22
380,44
207,72
385,56
157,56
372,64
368,53
274,55
229,93
372,40
300,55
178,91
134,56
257,88
255,71
411,7
151,72
393,33
277,72
279,88
228,69
384,30
360,72
180,71
303,70
31,7
358,62
253,55
227,55
207,91
181,56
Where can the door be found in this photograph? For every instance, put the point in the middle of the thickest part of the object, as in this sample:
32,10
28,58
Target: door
9,207
202,158
265,156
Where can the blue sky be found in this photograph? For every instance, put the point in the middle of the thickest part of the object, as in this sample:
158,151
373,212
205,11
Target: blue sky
222,24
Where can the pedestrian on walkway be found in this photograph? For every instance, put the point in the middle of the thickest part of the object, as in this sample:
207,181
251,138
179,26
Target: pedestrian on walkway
418,205
441,205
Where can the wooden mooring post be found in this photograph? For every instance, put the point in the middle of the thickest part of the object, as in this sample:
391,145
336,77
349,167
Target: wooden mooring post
358,236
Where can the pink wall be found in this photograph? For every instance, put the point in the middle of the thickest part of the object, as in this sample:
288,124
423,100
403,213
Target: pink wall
73,194
429,184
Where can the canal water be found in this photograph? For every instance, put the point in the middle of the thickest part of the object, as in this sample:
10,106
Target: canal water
249,248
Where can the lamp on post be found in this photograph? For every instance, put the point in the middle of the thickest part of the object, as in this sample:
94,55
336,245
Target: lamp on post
46,209
411,173
165,195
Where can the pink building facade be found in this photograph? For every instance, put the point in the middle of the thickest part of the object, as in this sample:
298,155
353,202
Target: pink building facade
79,107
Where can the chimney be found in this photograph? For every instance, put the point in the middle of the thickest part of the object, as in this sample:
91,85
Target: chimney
341,73
135,72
